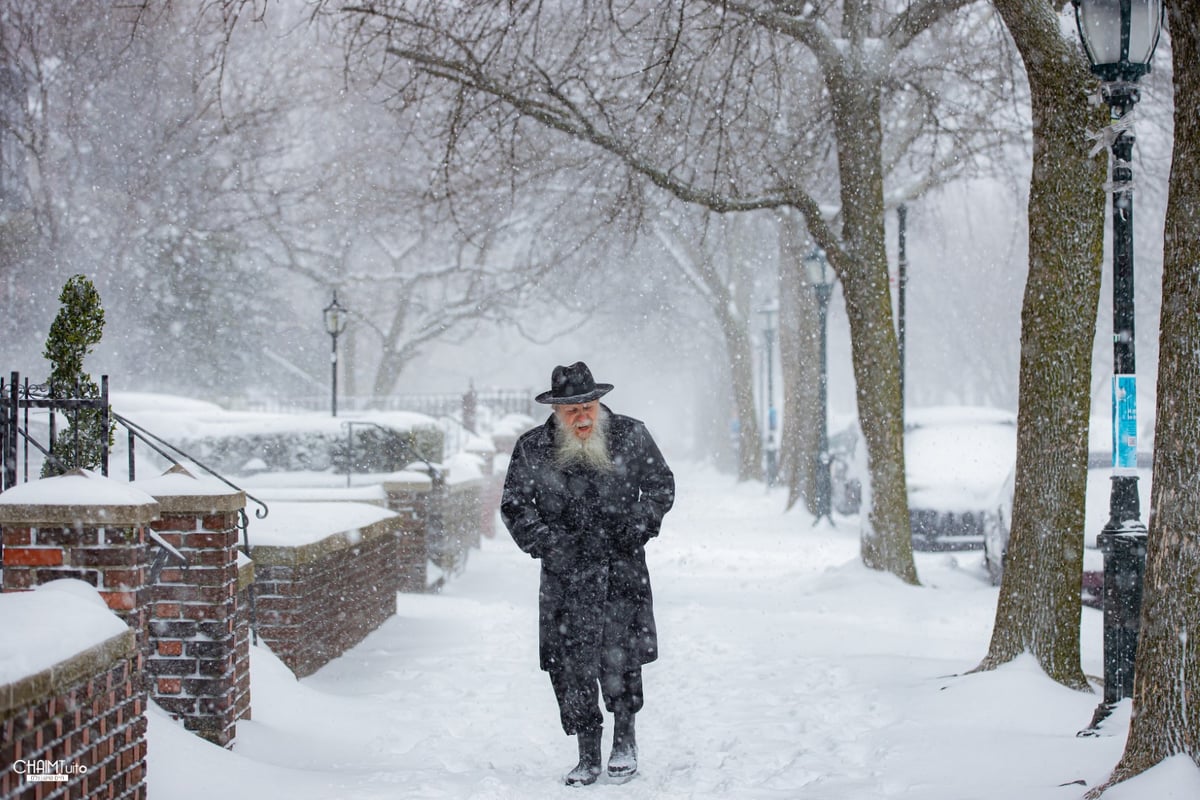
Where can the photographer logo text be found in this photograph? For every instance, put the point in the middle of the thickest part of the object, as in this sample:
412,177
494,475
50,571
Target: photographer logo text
46,771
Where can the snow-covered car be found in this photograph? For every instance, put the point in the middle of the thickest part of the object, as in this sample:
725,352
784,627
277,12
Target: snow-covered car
959,462
1099,491
845,483
1097,508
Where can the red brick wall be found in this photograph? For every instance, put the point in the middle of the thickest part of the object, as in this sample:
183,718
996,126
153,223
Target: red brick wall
241,637
463,514
315,602
412,550
92,725
439,526
184,623
113,559
193,612
489,504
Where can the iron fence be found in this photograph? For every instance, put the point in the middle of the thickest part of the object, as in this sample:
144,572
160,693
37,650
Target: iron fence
18,399
461,406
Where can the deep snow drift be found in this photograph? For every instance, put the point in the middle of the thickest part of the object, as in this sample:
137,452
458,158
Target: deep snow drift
788,670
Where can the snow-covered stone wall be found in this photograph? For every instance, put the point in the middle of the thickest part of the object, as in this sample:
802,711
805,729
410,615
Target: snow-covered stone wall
317,597
189,629
72,705
194,664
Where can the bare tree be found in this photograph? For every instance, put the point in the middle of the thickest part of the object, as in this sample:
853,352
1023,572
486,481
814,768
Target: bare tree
690,96
715,260
254,179
1039,606
41,88
133,182
798,340
1166,718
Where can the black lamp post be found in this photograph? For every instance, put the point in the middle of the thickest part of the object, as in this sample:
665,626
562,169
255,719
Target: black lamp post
902,290
817,268
335,323
772,449
1119,37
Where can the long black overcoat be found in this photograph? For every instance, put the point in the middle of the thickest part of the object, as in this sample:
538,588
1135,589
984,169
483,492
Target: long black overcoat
589,528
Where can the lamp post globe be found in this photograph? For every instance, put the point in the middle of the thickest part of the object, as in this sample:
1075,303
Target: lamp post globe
336,317
1119,38
816,267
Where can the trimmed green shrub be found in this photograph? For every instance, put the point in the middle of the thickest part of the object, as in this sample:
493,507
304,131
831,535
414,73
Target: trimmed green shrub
73,335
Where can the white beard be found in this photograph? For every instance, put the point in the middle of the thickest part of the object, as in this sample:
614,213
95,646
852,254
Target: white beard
592,452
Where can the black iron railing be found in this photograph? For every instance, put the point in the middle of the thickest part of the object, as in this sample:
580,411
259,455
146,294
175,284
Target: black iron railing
18,398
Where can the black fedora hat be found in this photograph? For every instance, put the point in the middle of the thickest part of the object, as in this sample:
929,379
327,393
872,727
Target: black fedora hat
573,384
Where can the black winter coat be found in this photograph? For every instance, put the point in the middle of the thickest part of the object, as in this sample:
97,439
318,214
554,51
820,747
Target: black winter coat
589,529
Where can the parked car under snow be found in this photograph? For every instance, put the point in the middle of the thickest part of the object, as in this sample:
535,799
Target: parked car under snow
959,462
1097,512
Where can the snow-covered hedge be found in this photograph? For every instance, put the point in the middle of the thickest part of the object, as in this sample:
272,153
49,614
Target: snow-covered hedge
371,450
242,442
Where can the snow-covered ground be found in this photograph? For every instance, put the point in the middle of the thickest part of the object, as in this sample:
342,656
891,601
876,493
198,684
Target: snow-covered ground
788,670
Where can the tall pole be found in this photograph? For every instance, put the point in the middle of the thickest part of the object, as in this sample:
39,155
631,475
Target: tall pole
769,341
333,368
335,323
1119,40
902,289
1123,539
824,489
10,434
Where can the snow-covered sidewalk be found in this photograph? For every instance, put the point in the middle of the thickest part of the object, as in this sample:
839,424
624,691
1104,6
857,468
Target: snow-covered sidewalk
788,670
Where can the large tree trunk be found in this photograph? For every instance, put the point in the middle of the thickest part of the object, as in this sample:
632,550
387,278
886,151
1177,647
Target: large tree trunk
728,294
1166,709
799,440
741,367
1039,607
735,287
886,533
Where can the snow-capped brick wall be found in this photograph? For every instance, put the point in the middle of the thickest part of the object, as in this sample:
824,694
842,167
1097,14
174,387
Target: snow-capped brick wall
84,526
193,664
72,710
412,501
462,518
491,493
314,597
439,524
241,637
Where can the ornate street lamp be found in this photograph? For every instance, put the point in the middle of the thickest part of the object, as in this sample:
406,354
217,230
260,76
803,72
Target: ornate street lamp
816,266
772,449
335,323
1119,37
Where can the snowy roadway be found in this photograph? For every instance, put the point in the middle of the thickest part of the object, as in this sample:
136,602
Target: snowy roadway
787,671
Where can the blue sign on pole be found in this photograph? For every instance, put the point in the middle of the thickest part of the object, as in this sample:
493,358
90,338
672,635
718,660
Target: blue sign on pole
1124,422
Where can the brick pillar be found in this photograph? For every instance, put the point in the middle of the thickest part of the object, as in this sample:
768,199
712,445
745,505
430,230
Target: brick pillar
84,718
279,603
493,491
241,637
410,499
85,526
50,532
193,660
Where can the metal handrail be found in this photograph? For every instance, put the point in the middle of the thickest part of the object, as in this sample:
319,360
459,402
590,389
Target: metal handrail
243,523
45,453
147,437
434,473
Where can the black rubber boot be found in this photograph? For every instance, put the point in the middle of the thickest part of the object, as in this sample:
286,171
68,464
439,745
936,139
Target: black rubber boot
588,769
622,764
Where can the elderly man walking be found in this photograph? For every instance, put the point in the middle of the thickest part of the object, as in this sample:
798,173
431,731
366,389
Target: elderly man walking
584,493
